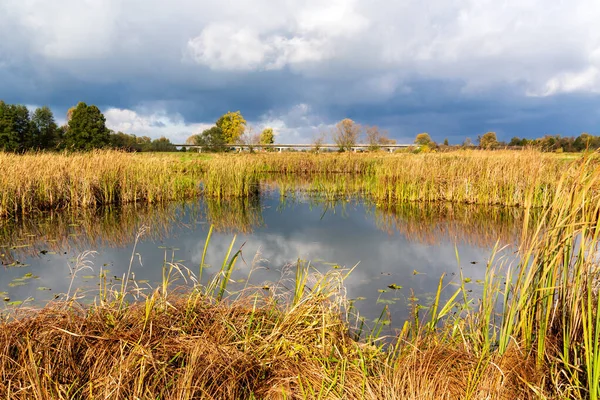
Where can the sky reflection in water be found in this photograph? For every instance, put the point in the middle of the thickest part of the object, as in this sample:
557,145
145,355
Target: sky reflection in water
410,246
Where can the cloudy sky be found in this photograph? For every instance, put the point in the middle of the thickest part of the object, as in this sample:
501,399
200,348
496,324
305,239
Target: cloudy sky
453,68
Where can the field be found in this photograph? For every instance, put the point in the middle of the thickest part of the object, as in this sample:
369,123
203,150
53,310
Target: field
534,333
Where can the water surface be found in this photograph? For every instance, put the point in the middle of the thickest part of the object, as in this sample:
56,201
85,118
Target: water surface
398,254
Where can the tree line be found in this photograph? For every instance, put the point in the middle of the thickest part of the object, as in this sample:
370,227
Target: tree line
22,130
85,129
488,141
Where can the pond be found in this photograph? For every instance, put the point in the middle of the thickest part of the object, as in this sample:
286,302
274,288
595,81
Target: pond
398,254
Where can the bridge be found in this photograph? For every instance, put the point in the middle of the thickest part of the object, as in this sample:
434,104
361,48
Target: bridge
280,147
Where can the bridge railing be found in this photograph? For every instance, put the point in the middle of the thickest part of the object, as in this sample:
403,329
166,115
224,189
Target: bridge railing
280,147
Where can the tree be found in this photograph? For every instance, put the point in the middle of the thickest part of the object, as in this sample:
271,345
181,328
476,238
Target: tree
423,139
124,141
70,112
233,126
212,139
488,140
376,138
250,139
517,141
318,141
267,136
467,142
346,134
45,130
585,141
446,142
162,144
15,127
86,129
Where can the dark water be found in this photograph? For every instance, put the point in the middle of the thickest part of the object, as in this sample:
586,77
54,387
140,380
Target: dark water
409,246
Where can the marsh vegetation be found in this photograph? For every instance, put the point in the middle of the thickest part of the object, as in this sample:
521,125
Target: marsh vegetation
529,329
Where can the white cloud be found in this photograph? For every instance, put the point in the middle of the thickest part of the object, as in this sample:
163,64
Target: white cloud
587,80
295,125
154,125
298,125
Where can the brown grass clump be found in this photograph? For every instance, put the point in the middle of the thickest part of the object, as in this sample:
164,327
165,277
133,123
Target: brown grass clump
187,348
191,347
452,371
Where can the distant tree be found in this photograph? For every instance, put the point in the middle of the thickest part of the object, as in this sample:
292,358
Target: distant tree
267,136
162,144
517,141
376,138
488,140
211,139
467,142
549,142
318,141
373,137
423,139
45,130
566,144
233,126
124,141
250,139
15,127
144,143
446,142
585,141
86,129
346,133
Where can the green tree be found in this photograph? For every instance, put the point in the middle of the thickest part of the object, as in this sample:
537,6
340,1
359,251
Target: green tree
86,129
446,142
15,127
346,133
586,141
233,126
517,141
124,141
267,136
488,140
211,139
45,130
162,144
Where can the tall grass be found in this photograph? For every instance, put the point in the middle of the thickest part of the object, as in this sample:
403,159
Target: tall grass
552,305
534,333
42,181
472,177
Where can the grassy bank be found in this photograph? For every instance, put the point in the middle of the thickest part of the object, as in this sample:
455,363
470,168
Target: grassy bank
471,177
46,181
533,333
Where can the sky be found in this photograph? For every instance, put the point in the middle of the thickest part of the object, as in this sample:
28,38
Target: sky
452,68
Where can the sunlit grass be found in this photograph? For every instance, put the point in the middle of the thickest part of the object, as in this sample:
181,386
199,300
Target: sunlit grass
534,333
43,181
46,181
